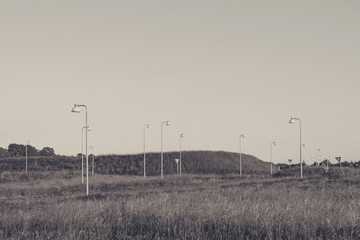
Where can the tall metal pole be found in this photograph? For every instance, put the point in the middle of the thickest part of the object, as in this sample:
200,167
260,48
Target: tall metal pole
93,163
86,152
82,155
301,162
162,163
180,155
181,136
162,157
82,151
145,126
241,136
26,156
77,110
271,162
316,157
144,155
271,172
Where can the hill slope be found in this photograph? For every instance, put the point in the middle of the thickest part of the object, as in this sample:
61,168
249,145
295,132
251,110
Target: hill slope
195,162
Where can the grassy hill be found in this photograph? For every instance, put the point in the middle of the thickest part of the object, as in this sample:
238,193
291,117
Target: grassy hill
194,162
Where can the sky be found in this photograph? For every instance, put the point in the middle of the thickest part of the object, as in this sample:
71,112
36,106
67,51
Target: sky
214,69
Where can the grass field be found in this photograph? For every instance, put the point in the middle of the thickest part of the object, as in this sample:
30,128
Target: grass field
52,205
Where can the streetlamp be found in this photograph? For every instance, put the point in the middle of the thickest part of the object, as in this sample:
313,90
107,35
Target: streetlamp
327,163
82,152
76,109
145,127
177,166
292,120
290,160
162,157
316,157
181,136
240,137
271,145
303,146
26,160
93,165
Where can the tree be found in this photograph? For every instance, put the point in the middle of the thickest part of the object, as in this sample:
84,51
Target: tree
16,150
19,150
31,151
4,153
47,151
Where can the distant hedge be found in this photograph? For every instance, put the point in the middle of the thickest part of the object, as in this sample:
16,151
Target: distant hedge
200,162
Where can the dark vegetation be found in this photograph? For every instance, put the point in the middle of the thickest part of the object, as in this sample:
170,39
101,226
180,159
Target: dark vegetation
193,162
19,150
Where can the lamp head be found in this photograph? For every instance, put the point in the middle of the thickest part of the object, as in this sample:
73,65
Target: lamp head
87,127
167,123
148,126
182,135
242,135
75,109
274,143
91,146
292,120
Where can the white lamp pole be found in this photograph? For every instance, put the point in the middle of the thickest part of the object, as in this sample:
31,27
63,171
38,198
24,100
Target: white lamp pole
292,120
145,127
316,157
271,144
76,109
177,166
93,164
290,160
181,136
240,137
26,160
162,157
82,152
304,146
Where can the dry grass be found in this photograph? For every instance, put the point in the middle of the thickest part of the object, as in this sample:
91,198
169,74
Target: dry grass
187,207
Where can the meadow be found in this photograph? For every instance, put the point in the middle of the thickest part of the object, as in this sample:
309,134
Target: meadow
52,205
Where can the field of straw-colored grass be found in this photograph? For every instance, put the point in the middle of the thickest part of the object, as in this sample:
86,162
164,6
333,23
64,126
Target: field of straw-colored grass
52,205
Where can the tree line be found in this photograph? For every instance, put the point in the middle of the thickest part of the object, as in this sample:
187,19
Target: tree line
19,150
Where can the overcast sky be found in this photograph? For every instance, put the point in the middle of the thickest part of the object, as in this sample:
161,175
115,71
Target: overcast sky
214,69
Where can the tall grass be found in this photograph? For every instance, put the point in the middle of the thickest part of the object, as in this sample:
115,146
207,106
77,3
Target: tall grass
196,207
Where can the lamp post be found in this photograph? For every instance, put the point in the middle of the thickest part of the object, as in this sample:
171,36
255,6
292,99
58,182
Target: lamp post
271,145
304,146
292,120
322,164
327,163
76,109
240,137
162,157
93,164
26,160
177,166
145,127
181,136
290,160
316,157
82,152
